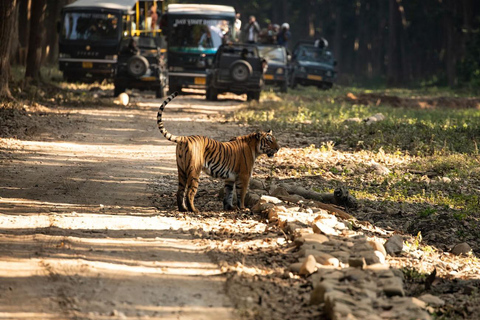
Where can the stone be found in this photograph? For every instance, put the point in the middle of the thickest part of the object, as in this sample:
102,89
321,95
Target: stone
378,246
309,266
326,259
124,99
295,267
270,199
278,192
295,227
251,199
314,246
355,120
357,262
419,303
369,256
393,290
432,300
380,169
318,293
380,256
330,274
261,206
320,228
354,274
461,249
256,184
327,219
393,287
394,245
378,267
314,238
341,255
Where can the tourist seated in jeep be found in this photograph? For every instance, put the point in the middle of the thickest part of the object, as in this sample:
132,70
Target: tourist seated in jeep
236,68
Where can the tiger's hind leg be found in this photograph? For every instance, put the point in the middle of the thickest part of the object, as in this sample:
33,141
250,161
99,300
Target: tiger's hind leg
182,182
228,197
192,187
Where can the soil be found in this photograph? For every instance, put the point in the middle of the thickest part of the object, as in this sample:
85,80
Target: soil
413,102
89,227
81,237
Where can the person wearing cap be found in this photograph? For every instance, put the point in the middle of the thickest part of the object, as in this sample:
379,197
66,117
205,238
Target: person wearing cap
284,35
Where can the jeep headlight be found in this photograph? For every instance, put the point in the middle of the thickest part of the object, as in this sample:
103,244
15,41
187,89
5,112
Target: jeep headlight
111,57
279,71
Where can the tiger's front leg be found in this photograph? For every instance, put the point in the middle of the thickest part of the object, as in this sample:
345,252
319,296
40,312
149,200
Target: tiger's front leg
242,188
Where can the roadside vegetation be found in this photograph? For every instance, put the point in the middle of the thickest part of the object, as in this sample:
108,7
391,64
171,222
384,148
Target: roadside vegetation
416,170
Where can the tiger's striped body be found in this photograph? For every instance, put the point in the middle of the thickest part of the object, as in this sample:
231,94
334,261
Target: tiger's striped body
232,161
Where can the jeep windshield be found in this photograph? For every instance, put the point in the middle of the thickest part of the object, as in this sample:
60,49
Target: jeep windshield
90,26
272,54
313,54
198,35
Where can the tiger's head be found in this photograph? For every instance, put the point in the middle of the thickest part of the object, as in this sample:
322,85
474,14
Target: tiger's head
266,143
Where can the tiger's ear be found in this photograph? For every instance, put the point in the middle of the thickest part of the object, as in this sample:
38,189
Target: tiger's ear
269,131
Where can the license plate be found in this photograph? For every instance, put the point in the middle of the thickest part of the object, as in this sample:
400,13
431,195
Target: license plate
87,65
200,81
268,76
148,79
314,77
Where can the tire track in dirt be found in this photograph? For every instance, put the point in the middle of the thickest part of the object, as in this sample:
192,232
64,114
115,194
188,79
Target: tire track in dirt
84,240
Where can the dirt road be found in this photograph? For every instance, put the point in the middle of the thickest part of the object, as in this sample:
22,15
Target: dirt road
80,237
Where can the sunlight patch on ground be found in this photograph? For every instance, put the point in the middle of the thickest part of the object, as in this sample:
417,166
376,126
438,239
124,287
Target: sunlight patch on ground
91,222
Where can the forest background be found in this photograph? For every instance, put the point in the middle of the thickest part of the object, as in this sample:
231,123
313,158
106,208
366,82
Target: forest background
376,42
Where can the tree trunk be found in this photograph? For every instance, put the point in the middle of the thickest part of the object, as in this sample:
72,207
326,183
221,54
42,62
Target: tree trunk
34,56
24,7
393,77
15,42
50,52
451,63
338,37
7,19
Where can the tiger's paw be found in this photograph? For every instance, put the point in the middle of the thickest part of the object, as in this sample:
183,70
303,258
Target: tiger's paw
229,207
245,210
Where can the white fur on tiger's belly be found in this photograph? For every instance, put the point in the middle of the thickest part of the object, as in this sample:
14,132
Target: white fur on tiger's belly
227,175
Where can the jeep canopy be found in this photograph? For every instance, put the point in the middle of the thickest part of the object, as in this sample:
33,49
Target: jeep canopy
125,6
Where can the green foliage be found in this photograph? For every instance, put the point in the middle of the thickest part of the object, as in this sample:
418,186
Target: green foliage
423,132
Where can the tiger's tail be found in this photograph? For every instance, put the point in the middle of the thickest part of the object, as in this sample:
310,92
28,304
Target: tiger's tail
164,131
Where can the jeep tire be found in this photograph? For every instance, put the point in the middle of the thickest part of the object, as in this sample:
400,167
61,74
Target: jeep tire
137,66
240,70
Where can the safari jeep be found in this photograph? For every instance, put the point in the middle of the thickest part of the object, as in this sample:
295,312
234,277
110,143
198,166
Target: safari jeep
141,65
236,68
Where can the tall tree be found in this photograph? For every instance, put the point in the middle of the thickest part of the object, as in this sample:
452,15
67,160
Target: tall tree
7,19
23,28
37,31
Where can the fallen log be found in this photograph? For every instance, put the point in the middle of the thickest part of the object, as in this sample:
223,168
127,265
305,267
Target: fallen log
340,197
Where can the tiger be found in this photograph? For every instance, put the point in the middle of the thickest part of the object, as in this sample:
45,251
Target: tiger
231,161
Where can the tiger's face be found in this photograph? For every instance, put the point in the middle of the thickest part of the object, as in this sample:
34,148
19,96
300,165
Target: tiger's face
267,144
